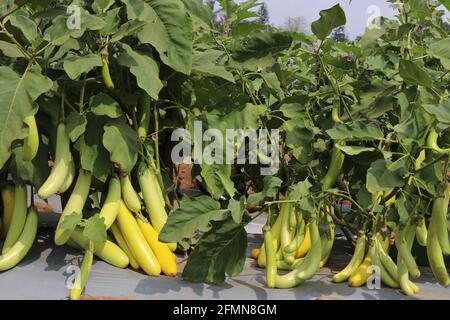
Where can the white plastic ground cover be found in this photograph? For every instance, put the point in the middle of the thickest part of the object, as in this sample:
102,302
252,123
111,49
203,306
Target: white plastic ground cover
47,270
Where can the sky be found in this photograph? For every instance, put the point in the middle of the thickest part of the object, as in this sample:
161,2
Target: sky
356,11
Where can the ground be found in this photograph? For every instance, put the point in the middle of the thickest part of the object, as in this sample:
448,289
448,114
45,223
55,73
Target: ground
46,270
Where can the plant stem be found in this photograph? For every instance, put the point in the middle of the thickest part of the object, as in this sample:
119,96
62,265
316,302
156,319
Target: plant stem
270,203
431,163
64,99
83,89
96,200
36,53
446,167
342,223
336,88
157,155
353,201
12,11
24,51
156,137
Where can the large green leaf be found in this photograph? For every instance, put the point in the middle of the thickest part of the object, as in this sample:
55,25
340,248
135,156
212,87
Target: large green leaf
10,50
217,178
220,251
441,111
137,10
122,142
329,19
71,44
100,6
128,29
299,139
37,4
274,85
194,214
354,150
299,130
71,221
415,123
430,178
419,7
381,105
17,94
93,155
300,190
245,28
75,125
384,175
75,65
34,172
270,189
58,32
370,38
245,10
103,105
241,117
28,26
206,63
168,28
201,14
407,205
413,74
95,229
229,7
358,130
112,20
296,110
237,209
262,45
441,50
144,68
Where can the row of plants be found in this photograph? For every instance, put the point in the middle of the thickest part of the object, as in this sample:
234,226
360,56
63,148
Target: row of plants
91,91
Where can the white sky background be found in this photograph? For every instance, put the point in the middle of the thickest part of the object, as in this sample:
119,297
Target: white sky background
356,11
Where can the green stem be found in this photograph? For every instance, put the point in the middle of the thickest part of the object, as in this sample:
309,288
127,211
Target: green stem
446,167
157,155
306,51
335,87
142,150
62,110
352,200
96,200
277,117
270,203
156,137
38,52
432,163
24,51
82,91
12,11
65,101
32,196
341,222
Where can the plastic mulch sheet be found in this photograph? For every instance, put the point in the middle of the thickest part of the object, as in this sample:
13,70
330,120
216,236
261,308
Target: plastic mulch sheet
47,271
